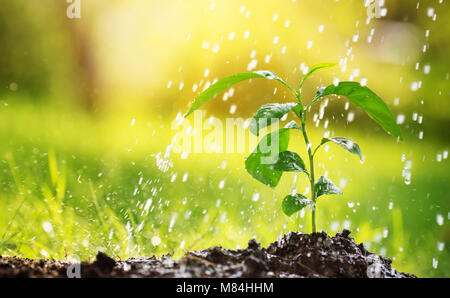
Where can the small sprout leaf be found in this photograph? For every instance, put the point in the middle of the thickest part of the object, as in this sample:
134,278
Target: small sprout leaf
268,114
366,99
294,203
229,81
324,186
315,68
289,161
345,143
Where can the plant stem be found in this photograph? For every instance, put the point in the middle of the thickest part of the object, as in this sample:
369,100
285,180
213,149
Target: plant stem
311,169
302,117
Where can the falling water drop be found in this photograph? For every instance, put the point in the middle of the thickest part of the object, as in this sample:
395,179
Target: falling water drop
439,219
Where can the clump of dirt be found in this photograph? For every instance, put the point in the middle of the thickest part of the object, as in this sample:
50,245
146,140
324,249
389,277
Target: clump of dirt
295,255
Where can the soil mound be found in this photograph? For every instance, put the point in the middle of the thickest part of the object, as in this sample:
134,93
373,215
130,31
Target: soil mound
294,255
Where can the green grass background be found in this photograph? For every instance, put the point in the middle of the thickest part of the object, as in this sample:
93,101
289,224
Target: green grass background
74,184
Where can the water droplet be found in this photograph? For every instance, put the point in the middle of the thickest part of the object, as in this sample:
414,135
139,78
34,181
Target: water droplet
252,65
420,135
47,226
396,101
222,184
406,172
174,176
435,263
147,205
439,219
13,86
335,81
163,163
350,117
156,241
172,221
400,119
346,224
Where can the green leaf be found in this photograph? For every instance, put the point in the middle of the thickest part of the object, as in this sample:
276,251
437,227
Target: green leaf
289,161
298,110
315,68
258,164
275,139
294,203
262,172
229,81
345,143
292,125
268,114
324,186
366,99
272,76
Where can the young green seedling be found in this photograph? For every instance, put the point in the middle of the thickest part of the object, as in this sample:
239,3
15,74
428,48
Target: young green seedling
269,170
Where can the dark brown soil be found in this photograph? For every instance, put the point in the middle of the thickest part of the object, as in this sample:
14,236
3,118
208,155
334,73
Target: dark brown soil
295,255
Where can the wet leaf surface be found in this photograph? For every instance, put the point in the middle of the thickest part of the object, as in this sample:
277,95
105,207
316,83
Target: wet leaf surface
294,203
